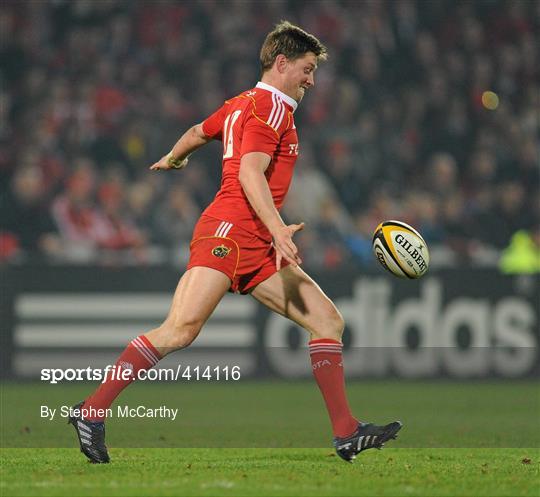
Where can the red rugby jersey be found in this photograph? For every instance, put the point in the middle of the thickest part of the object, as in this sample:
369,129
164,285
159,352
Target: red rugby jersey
257,120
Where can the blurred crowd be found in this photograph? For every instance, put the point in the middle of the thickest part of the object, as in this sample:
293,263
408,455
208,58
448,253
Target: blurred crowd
398,125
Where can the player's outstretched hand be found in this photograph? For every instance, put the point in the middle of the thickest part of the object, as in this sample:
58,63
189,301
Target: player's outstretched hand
166,163
285,247
162,163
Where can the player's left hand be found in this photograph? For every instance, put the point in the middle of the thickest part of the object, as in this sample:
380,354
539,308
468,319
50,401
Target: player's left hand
285,247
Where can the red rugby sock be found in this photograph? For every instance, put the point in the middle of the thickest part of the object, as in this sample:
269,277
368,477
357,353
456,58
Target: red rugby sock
139,355
327,363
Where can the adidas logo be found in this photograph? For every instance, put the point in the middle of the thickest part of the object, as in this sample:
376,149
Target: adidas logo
364,443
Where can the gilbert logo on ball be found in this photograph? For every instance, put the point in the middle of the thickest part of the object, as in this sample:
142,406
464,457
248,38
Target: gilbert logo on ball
400,249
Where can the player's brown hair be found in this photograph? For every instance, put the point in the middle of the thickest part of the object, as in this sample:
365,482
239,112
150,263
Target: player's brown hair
291,41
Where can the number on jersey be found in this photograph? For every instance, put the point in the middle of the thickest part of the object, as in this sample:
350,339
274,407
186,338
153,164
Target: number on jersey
228,135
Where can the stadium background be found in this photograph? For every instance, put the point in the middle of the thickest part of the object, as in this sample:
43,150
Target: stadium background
92,244
95,92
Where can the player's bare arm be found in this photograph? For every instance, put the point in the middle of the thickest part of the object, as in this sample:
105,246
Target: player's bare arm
255,186
177,158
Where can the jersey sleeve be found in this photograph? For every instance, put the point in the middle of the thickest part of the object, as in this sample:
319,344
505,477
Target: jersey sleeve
213,125
258,136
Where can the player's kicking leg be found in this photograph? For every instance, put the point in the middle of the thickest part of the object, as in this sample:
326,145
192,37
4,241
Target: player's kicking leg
293,294
197,295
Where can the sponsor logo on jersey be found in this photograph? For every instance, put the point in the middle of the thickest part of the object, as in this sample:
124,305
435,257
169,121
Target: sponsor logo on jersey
293,149
221,251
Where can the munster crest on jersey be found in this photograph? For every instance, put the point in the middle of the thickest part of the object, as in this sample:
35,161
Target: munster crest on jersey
221,251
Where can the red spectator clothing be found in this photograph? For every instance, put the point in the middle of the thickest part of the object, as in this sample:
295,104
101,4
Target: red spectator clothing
257,120
79,224
89,225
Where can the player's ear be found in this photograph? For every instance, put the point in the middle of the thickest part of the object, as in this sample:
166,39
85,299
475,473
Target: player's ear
281,63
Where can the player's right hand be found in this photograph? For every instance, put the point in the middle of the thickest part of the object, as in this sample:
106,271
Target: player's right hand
165,163
285,247
162,163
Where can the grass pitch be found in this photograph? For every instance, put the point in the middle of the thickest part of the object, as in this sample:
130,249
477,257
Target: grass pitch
273,472
462,439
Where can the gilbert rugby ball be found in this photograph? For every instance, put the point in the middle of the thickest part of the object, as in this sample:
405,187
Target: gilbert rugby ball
400,249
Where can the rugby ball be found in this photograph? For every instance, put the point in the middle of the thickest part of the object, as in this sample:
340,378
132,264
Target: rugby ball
400,249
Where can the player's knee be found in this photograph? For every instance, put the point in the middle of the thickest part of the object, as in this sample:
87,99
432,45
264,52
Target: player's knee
331,325
337,324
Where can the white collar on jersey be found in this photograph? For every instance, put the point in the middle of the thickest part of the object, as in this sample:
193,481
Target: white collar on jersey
291,101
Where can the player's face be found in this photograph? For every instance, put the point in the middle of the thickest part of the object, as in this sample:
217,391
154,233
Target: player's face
300,75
